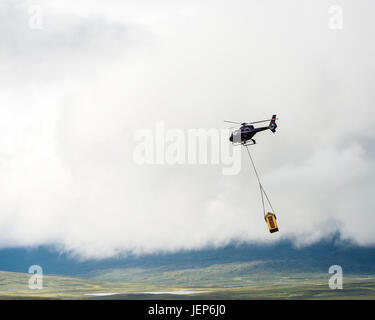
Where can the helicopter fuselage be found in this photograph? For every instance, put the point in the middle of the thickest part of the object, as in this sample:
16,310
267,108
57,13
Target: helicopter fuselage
245,133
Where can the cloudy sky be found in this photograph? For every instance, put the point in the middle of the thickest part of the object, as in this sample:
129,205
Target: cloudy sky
79,78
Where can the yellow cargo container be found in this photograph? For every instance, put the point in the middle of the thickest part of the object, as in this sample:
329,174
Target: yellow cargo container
271,222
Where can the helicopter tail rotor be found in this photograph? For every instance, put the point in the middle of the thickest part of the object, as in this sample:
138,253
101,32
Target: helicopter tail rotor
273,124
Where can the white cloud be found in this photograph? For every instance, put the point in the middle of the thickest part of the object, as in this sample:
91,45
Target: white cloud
74,92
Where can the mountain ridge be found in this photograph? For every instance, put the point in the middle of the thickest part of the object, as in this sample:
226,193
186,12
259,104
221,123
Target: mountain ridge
280,256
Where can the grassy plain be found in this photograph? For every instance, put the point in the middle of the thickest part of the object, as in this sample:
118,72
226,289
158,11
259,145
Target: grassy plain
223,281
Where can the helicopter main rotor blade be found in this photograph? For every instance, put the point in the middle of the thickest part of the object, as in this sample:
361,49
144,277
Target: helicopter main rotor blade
232,122
249,122
260,121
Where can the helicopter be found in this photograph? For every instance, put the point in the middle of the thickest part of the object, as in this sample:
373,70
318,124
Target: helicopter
246,132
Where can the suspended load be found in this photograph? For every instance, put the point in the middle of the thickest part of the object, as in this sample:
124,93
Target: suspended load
271,222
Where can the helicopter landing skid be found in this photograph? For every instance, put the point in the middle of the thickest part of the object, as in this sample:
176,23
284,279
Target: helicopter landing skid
245,143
